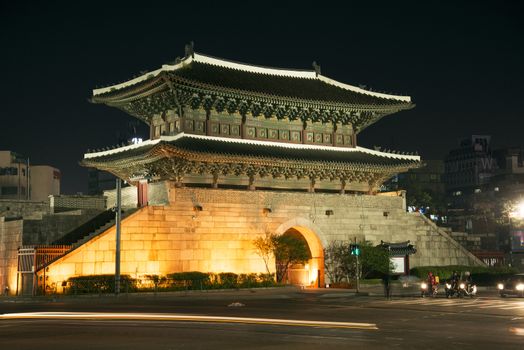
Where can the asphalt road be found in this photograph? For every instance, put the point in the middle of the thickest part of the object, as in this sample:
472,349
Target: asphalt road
486,322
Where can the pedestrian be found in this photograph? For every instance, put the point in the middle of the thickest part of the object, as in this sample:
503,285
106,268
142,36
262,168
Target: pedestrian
387,285
455,280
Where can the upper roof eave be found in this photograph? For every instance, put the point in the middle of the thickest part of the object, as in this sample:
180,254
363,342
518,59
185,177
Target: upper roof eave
299,74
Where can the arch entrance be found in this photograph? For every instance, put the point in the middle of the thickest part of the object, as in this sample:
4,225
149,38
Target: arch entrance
311,273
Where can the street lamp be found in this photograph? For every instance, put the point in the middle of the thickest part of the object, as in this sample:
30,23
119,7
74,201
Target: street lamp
516,212
118,218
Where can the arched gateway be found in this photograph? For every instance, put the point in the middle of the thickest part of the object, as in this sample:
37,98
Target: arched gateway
312,272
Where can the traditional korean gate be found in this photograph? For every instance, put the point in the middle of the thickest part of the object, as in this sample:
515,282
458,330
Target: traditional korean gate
30,260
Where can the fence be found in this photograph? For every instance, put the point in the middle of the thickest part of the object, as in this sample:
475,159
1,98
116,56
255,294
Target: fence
31,259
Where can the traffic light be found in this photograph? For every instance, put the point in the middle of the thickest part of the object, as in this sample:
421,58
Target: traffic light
354,249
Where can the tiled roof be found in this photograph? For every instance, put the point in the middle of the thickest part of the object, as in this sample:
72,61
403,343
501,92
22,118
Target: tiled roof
285,86
398,249
257,149
306,85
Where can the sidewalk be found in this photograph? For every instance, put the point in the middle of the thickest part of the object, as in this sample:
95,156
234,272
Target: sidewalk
287,292
222,294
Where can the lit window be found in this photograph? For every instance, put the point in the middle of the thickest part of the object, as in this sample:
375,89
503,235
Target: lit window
496,189
477,190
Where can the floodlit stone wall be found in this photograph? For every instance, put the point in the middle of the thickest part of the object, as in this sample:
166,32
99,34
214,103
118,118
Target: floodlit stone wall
10,240
212,230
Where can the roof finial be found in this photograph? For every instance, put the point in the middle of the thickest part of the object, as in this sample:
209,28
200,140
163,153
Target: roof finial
316,67
190,49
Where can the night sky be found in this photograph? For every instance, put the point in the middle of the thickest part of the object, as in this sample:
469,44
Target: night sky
462,62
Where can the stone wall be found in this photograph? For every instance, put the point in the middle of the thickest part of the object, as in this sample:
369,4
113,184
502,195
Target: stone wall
22,208
157,193
213,230
469,241
71,202
129,197
10,240
48,228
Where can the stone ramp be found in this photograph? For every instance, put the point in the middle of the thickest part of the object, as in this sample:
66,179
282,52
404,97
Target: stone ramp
435,246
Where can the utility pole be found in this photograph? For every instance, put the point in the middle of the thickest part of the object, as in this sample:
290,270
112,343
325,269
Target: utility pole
117,220
358,271
28,184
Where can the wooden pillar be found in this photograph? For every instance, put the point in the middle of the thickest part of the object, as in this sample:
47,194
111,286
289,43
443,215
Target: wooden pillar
342,186
312,185
215,180
251,185
142,193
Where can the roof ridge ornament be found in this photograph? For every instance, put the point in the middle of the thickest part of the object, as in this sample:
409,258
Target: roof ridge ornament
316,67
190,49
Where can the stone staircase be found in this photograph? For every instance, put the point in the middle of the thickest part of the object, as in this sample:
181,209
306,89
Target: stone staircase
434,245
91,229
437,243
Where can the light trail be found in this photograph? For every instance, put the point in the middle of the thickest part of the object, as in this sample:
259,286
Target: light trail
187,318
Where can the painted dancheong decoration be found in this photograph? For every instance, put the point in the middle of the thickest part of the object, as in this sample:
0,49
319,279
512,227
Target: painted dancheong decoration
212,119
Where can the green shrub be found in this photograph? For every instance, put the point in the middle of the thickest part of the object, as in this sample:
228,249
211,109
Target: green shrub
248,280
267,279
228,280
99,284
190,280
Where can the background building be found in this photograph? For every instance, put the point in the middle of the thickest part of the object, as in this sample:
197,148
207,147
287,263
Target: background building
99,181
45,181
14,176
483,187
22,181
470,166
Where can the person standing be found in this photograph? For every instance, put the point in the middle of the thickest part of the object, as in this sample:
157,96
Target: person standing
386,280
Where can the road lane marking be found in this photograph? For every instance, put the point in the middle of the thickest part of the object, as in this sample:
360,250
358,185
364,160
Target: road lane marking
190,318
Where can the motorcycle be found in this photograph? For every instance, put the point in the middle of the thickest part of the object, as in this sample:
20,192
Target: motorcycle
467,289
450,289
424,290
460,289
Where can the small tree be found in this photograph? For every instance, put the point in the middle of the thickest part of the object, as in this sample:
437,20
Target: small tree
374,259
265,247
340,264
334,261
288,250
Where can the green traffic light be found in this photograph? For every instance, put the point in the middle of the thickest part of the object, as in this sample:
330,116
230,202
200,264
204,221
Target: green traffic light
357,250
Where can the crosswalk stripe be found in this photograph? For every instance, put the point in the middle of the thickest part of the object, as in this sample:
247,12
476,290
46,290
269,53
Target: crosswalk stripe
463,303
512,307
490,306
459,303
